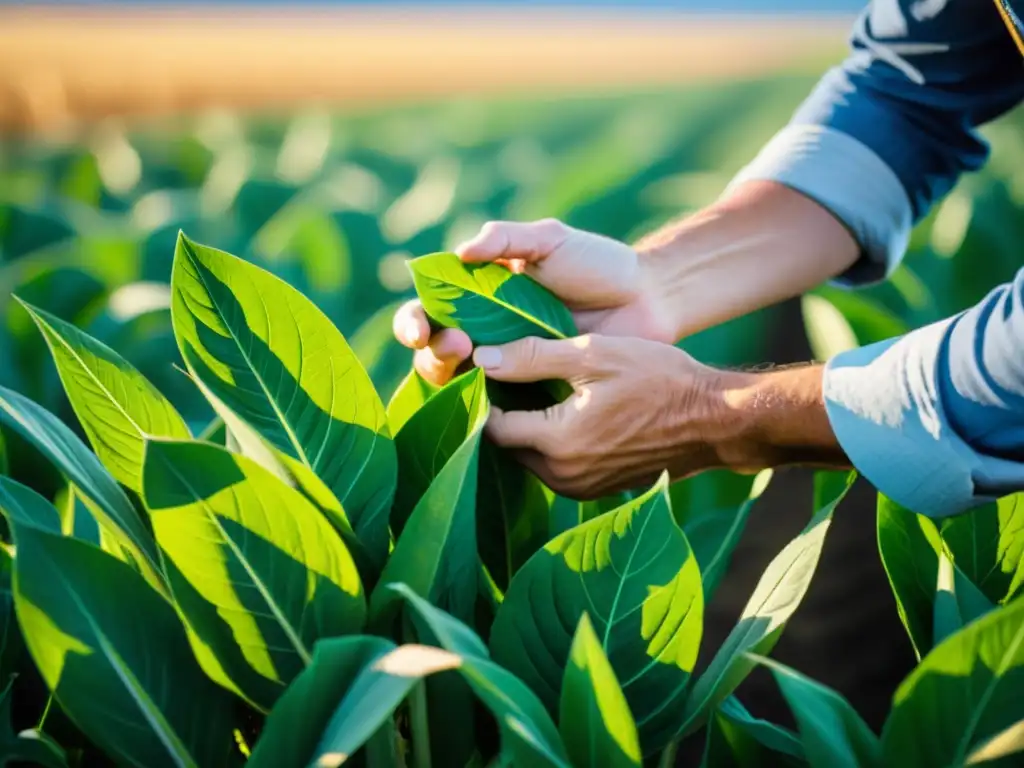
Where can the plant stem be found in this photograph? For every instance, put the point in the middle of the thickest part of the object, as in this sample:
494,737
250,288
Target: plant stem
46,711
668,756
419,725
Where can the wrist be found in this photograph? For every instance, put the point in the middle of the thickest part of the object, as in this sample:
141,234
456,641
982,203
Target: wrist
773,419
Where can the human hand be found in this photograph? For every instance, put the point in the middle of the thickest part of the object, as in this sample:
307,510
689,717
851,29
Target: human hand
609,288
640,407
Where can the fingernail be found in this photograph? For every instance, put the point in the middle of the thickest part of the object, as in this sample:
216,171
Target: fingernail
487,357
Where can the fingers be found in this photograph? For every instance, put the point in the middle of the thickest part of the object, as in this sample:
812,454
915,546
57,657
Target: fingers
410,325
507,240
534,430
535,359
438,361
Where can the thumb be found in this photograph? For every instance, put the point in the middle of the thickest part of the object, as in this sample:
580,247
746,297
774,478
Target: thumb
533,359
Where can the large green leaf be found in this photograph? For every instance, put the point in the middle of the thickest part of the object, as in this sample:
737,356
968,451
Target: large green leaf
30,747
965,691
258,573
23,506
269,355
528,735
737,739
116,657
439,450
929,598
487,301
431,437
104,497
714,532
777,596
512,514
958,601
117,406
297,723
11,644
410,396
987,544
633,571
594,718
833,734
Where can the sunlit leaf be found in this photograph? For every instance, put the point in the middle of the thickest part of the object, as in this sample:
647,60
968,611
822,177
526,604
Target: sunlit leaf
634,573
410,396
258,573
274,359
117,406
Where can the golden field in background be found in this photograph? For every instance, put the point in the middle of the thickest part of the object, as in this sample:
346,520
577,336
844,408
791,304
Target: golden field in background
60,66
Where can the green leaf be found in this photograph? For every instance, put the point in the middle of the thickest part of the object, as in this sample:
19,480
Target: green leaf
115,656
987,544
833,734
957,601
374,695
117,406
104,497
78,523
296,725
23,506
633,571
439,451
270,356
410,396
528,735
738,739
490,303
32,747
512,511
715,532
1005,743
909,546
432,436
965,691
5,467
596,724
777,596
258,574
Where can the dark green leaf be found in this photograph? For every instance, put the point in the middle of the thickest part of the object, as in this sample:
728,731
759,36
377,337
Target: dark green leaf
594,718
77,522
965,691
23,506
270,356
777,596
117,406
833,734
987,544
714,532
5,468
957,601
104,496
258,573
296,725
116,657
633,571
777,744
528,735
490,303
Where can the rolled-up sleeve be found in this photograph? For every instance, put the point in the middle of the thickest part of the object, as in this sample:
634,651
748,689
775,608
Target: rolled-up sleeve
935,419
887,133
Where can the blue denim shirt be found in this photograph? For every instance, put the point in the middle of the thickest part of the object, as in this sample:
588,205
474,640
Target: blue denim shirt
934,419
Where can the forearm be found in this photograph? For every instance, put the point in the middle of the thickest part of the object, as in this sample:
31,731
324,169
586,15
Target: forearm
772,419
760,245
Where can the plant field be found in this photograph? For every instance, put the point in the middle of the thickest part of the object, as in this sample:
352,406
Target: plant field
238,531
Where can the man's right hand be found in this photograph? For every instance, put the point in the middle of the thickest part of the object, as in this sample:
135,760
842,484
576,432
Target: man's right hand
610,289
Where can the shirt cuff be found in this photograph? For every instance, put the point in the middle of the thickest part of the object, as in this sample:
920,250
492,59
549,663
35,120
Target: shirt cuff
884,405
846,177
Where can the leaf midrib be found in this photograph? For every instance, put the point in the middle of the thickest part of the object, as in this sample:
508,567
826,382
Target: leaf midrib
150,711
290,633
285,424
